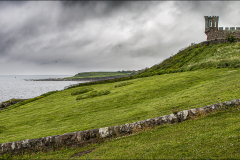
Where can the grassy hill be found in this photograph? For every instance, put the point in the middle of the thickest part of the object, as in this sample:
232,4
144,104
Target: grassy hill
197,79
224,55
102,74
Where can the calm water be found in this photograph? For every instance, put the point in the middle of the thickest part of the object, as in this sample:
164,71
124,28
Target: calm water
11,87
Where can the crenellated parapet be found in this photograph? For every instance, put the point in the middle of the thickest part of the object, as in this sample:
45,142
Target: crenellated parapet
229,29
214,32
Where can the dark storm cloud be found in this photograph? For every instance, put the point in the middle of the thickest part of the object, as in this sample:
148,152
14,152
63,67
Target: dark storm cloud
63,37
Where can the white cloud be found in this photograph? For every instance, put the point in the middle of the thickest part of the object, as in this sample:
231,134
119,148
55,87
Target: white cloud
88,36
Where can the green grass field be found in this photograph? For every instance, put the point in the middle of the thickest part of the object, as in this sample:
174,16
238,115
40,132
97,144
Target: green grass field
215,136
146,98
100,74
203,76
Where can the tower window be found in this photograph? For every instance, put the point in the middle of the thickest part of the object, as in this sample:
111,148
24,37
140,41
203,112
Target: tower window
215,24
206,23
210,23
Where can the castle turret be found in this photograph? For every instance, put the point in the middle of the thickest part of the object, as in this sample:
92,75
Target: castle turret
211,23
213,32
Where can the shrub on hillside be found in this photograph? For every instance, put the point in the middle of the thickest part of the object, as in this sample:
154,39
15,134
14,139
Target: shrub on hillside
123,84
93,94
81,91
230,38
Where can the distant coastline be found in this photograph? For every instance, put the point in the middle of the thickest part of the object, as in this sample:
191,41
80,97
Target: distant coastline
74,79
92,76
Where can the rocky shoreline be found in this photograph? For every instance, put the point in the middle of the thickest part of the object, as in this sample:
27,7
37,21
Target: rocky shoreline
52,79
10,102
74,79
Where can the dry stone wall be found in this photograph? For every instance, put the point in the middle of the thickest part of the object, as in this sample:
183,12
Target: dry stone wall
81,138
216,41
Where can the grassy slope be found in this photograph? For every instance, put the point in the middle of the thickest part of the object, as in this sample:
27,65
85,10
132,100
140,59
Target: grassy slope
146,98
215,136
99,74
225,55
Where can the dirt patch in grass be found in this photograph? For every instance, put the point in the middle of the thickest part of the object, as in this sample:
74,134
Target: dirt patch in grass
83,152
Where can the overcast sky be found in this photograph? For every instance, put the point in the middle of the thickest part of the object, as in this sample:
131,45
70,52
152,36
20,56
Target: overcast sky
65,38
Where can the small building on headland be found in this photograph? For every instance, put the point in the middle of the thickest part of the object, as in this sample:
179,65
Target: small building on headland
214,32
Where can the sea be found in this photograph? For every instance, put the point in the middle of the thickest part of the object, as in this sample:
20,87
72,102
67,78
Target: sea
16,86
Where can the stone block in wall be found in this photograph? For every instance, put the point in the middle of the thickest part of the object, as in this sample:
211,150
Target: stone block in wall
9,146
123,129
173,118
232,28
157,121
19,145
226,29
94,133
150,122
43,142
65,136
33,143
86,135
133,126
143,123
80,136
164,119
40,142
213,107
73,136
127,128
200,110
116,130
237,28
209,108
193,112
219,106
206,108
68,139
139,125
13,146
234,102
110,130
183,115
220,28
103,132
4,147
25,143
58,140
226,104
48,140
237,101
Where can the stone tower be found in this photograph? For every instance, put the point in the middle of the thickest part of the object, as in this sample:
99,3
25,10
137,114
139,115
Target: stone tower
214,32
211,23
